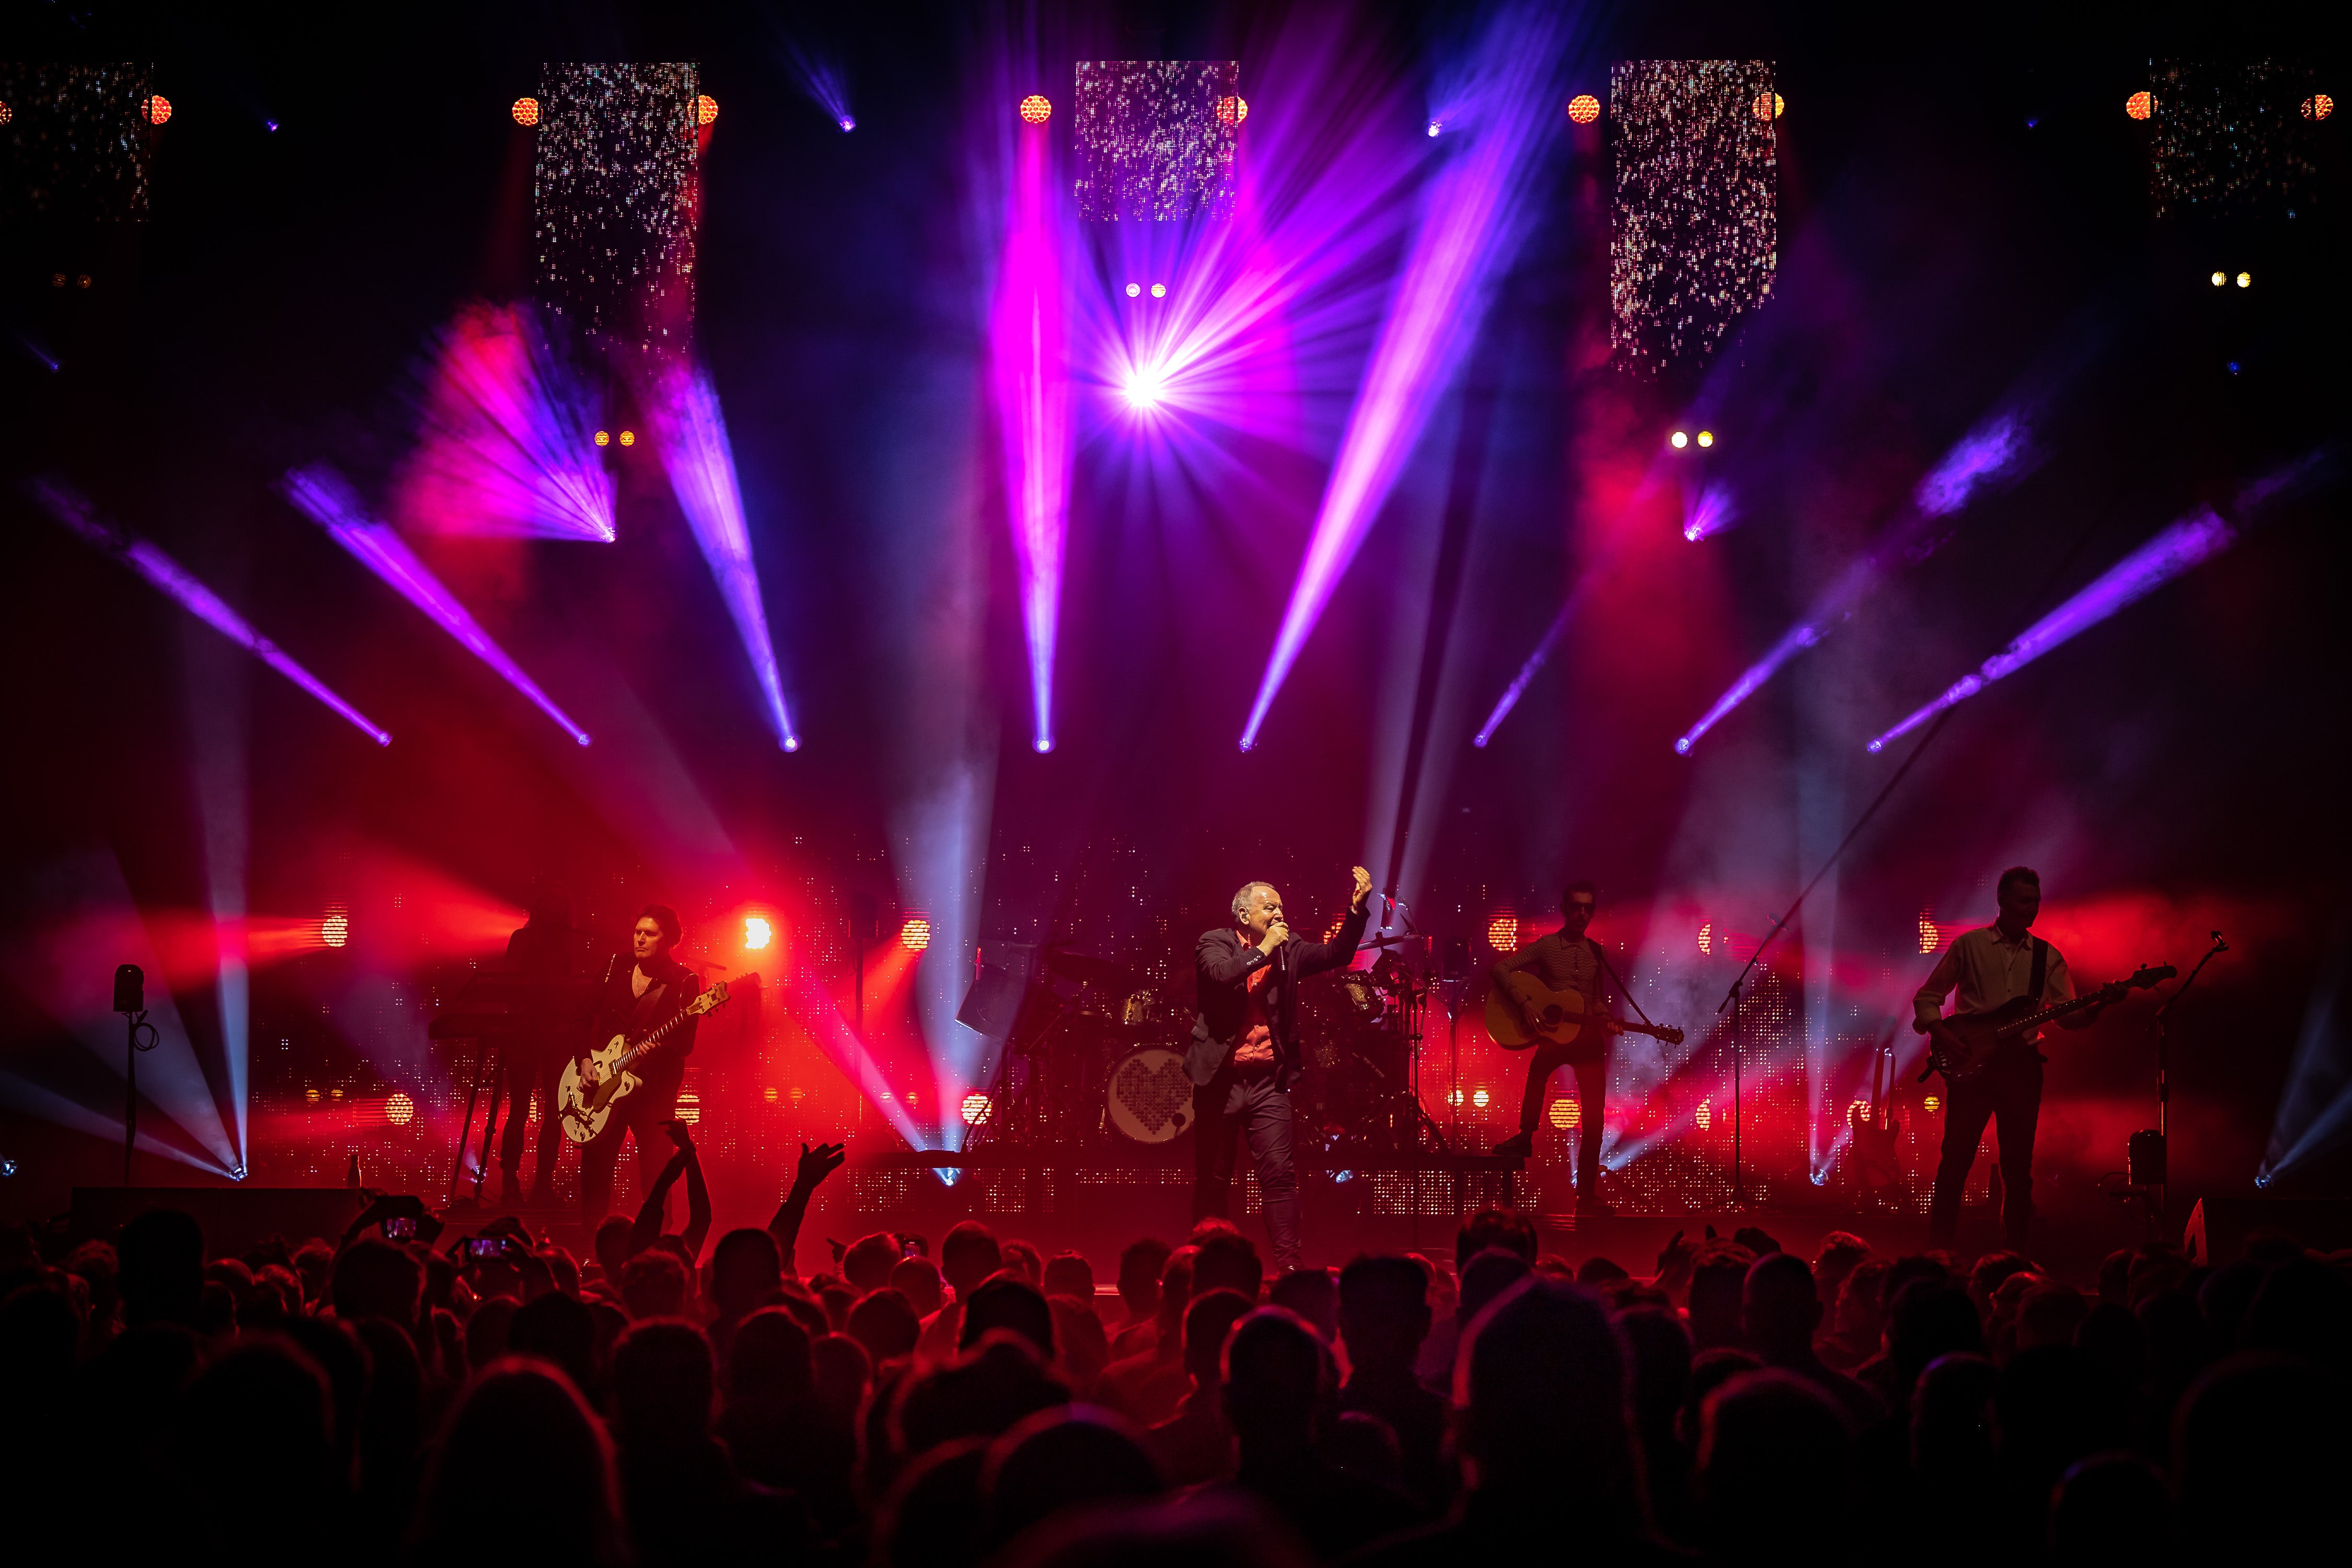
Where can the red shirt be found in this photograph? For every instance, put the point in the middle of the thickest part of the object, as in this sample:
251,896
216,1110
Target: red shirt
1257,1034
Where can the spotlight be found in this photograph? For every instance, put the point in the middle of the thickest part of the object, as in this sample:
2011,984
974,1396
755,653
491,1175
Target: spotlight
706,109
1932,1104
1679,439
1769,106
915,934
1931,935
8,114
85,281
1043,744
757,932
1436,126
270,126
792,743
336,928
1159,290
1707,938
157,109
1707,437
1503,934
1681,746
525,111
689,1109
1566,1114
1036,110
236,1172
1142,390
1584,108
400,1111
7,1167
2318,106
1479,1097
847,123
628,437
2235,367
603,438
976,1107
2140,105
1135,289
2245,280
1704,1114
2220,278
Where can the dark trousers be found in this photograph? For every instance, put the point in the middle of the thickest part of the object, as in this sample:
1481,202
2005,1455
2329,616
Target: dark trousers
640,1115
2007,1094
1592,1083
1230,1106
532,1070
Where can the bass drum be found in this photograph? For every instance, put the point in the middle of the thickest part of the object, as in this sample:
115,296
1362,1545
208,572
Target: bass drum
1148,1097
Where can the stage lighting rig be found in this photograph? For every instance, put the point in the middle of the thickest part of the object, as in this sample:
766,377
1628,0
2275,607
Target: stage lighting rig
1678,440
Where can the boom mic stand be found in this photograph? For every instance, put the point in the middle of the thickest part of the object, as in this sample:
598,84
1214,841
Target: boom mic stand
131,1001
2150,1155
1730,1004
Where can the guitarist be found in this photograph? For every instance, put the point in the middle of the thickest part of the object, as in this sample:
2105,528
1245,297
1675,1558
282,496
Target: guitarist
1997,963
1567,960
635,1000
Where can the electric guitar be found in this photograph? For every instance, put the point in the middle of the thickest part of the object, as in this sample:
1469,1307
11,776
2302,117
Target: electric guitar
1959,1047
1560,1017
585,1101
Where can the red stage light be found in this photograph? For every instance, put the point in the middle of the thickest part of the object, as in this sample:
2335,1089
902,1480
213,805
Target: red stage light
1565,1113
1036,110
915,934
525,111
1479,1097
1503,934
1931,935
1584,108
1706,938
757,933
706,109
157,109
1233,110
976,1108
336,928
8,114
1769,106
689,1109
400,1111
2140,105
1704,1114
1932,1104
2318,106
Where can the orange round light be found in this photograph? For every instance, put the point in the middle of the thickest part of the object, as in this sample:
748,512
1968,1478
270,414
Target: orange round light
1707,938
525,111
400,1111
603,438
628,437
1584,108
1931,936
1704,1114
1036,110
1932,1104
689,1109
1479,1099
706,109
157,109
1769,106
915,934
8,114
1566,1114
1503,934
2318,106
1233,110
975,1109
336,928
2140,105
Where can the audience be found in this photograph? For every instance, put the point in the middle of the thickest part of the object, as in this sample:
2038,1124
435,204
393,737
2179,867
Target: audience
409,1405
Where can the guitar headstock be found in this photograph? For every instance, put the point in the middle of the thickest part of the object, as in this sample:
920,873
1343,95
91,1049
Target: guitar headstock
2150,974
710,1000
1672,1037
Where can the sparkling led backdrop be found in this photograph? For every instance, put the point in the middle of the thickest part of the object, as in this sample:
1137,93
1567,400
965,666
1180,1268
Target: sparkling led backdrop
1155,138
614,198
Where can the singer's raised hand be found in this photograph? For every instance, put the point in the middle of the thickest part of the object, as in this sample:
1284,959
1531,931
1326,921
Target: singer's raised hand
1361,890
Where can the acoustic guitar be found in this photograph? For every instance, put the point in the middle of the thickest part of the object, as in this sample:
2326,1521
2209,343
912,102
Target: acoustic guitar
1959,1047
585,1101
1560,1017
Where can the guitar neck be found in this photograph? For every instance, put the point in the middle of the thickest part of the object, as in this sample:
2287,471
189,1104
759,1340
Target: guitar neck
2035,1020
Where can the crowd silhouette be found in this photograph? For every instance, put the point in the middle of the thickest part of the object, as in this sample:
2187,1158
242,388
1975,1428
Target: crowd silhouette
402,1400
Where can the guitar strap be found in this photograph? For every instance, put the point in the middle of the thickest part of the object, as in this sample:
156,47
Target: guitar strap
2034,987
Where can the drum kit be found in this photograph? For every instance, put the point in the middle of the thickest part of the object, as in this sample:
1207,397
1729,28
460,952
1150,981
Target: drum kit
1095,1056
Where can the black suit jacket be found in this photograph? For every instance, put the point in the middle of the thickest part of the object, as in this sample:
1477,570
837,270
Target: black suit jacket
1224,963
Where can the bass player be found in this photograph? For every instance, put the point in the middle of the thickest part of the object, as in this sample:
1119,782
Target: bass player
1994,964
635,1000
1567,960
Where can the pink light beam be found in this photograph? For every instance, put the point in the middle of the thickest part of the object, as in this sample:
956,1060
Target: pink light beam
320,492
1030,367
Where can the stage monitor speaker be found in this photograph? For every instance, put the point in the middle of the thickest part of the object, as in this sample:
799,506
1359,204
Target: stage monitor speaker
2218,1227
232,1218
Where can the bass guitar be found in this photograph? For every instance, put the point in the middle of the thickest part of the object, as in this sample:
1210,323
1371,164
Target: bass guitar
1959,1047
585,1100
1560,1017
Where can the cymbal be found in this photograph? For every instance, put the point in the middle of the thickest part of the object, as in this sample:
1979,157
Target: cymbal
1084,967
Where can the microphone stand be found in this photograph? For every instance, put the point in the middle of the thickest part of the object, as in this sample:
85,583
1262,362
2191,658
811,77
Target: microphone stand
2163,1084
1730,1004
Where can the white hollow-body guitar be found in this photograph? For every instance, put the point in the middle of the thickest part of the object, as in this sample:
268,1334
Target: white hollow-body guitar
585,1101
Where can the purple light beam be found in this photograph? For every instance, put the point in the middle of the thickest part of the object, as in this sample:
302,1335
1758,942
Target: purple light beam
691,433
2186,543
322,493
1030,368
73,510
1477,210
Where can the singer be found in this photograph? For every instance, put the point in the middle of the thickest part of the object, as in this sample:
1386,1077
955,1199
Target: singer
1244,1057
